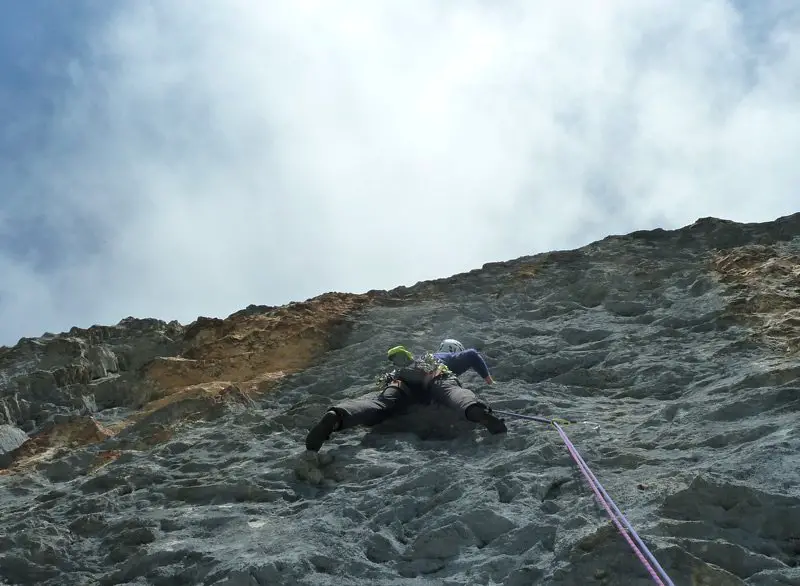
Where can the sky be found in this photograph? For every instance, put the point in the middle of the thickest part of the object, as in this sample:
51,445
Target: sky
178,158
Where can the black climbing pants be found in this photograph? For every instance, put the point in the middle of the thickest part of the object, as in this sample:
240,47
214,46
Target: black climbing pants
397,397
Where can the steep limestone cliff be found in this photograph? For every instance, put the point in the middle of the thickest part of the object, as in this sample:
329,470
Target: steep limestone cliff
157,453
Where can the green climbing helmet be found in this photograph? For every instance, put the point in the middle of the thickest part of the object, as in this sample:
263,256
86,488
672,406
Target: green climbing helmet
399,356
415,370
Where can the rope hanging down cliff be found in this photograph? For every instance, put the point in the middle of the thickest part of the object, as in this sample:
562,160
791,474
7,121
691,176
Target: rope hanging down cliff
639,548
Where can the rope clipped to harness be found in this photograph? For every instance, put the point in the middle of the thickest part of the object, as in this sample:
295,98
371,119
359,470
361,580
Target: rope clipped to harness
639,548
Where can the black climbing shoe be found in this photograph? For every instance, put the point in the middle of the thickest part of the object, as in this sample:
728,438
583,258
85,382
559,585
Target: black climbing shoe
493,424
321,431
482,415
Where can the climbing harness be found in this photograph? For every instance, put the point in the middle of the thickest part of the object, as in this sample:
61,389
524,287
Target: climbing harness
639,548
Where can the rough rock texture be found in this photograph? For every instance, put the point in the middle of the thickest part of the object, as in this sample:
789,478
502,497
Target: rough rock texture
156,453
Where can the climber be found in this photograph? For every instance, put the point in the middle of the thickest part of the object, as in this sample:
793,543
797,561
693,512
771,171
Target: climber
415,380
457,359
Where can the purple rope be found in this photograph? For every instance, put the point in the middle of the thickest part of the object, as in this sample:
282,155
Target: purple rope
530,417
608,504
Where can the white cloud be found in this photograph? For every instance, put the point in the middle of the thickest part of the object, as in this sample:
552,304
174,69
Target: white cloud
252,152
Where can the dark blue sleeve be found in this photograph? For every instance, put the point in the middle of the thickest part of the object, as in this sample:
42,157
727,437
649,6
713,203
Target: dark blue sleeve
477,362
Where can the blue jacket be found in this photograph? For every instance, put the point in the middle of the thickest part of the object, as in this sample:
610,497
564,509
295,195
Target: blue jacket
461,362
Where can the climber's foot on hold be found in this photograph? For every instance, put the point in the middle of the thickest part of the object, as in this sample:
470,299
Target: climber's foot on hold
484,416
329,423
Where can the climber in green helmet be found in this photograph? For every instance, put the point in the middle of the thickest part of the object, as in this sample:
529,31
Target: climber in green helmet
415,380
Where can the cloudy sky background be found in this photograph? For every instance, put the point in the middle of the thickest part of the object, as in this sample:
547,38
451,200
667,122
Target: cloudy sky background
177,158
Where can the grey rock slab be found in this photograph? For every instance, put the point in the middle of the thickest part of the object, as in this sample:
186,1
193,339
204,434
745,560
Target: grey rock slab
689,423
11,438
41,376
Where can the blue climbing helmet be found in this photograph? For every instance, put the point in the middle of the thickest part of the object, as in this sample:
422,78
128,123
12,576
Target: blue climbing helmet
450,345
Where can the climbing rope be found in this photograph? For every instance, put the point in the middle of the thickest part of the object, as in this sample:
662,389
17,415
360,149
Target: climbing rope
639,548
535,417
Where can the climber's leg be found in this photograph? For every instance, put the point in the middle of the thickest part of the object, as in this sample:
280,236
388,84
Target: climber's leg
446,391
367,411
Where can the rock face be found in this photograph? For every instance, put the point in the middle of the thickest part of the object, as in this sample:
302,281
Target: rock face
156,453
